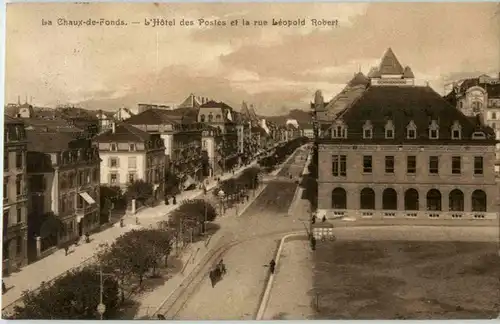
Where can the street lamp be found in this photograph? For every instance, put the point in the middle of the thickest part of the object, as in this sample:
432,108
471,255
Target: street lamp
101,308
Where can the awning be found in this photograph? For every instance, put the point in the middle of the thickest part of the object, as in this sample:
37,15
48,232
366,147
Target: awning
87,198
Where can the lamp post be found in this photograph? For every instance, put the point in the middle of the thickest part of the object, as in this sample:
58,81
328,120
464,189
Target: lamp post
221,194
101,308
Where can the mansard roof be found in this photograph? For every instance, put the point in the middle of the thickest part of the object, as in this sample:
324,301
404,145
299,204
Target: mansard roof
403,105
390,64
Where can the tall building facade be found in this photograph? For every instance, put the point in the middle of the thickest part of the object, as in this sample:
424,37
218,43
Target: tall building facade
401,151
15,196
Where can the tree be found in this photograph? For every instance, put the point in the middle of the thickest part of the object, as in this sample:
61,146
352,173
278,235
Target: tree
114,195
135,253
50,229
74,296
190,214
249,178
139,190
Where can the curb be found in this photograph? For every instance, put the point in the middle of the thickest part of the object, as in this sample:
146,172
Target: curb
269,286
299,188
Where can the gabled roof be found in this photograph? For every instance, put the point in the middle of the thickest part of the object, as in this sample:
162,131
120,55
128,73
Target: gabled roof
390,64
123,133
402,105
190,102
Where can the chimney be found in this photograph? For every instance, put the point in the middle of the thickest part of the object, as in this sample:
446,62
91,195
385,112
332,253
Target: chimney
19,100
113,127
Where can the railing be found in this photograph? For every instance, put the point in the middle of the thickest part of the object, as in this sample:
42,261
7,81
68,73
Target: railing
408,214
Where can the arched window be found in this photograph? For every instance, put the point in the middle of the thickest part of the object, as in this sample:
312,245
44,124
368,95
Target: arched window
390,199
411,199
339,198
210,117
202,118
478,201
433,200
456,201
476,107
367,199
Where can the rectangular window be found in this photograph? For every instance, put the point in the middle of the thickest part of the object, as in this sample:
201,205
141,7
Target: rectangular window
113,162
131,177
411,164
19,215
113,178
478,165
335,166
131,147
412,134
433,164
455,134
389,133
343,165
19,185
19,160
132,162
367,133
113,147
367,164
339,165
389,164
6,161
433,134
19,245
456,165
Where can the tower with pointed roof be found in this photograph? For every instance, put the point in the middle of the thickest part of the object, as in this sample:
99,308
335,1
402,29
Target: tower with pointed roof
391,72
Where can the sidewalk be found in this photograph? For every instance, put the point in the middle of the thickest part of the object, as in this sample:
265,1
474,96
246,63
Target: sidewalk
54,265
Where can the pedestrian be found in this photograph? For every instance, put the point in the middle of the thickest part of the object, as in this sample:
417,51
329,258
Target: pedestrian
121,222
313,243
4,288
66,249
174,201
272,265
87,237
323,219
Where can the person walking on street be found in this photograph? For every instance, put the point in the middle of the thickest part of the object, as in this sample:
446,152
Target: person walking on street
272,266
4,288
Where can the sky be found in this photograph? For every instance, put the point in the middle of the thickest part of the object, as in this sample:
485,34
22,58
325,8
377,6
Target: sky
275,68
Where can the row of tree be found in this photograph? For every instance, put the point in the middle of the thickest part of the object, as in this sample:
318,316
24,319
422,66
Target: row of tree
123,265
281,153
236,189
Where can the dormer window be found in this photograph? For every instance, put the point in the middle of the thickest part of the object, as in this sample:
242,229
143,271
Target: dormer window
434,130
478,135
339,131
367,130
131,147
411,130
456,131
389,130
113,147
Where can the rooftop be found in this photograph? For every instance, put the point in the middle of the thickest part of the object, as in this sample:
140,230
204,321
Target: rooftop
49,142
123,133
402,105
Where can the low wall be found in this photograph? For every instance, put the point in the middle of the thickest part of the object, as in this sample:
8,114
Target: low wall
411,217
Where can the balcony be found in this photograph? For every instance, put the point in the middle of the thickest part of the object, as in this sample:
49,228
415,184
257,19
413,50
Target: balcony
82,211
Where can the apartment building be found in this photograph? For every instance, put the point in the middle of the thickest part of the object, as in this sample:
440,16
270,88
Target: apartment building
402,151
63,178
15,225
129,154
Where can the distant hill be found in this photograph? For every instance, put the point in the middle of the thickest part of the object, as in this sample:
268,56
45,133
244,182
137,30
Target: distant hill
301,116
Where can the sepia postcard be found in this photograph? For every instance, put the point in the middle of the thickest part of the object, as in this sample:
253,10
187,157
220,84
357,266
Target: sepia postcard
251,161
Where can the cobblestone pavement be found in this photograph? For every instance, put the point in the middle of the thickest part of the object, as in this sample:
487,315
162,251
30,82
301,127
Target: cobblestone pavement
31,276
290,295
237,295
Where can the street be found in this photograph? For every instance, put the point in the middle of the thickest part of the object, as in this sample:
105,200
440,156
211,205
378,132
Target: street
257,232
